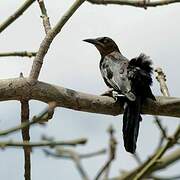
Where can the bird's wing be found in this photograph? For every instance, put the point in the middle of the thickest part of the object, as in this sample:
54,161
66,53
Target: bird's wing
114,73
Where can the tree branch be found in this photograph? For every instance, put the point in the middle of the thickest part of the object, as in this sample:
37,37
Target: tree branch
43,144
111,156
155,162
20,53
43,116
15,89
168,160
135,3
46,22
38,60
26,138
16,14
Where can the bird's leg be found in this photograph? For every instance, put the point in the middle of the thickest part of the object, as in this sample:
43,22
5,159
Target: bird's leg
116,95
108,93
112,93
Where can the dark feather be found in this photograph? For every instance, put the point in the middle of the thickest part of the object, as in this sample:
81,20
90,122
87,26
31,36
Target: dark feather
142,61
131,123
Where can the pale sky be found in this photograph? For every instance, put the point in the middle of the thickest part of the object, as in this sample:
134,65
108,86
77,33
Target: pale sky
72,63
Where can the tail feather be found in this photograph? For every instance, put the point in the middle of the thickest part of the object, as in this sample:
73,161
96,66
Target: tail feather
131,121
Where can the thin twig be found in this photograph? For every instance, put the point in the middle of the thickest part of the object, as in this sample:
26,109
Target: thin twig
165,178
150,165
76,157
112,154
163,163
38,60
16,14
161,77
136,3
93,154
161,128
42,144
137,158
20,53
43,116
46,22
64,153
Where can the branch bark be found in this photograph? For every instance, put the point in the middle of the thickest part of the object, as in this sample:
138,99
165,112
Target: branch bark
43,144
135,3
26,138
16,14
20,53
18,88
46,22
38,60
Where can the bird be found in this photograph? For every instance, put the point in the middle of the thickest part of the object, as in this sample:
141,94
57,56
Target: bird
128,78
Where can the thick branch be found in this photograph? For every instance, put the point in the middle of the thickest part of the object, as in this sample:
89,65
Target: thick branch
15,89
135,3
16,14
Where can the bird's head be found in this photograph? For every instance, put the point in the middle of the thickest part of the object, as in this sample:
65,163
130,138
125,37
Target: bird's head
105,45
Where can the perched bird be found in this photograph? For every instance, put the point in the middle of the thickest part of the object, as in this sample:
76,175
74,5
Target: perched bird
129,78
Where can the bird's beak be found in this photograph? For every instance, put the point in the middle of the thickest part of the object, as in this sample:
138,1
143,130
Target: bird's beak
92,41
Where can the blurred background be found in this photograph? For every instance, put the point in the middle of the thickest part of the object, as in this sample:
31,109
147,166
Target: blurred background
74,64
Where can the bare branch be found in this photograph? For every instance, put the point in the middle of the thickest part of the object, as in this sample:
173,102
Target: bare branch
93,154
43,116
136,3
165,178
20,53
161,128
137,158
161,77
38,60
16,14
76,157
168,160
112,154
43,144
15,89
63,153
156,161
72,155
46,22
26,138
152,163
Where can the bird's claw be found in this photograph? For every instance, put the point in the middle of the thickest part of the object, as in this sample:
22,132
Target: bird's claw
116,95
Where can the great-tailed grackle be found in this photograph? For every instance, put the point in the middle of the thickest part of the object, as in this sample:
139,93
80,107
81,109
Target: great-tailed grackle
129,78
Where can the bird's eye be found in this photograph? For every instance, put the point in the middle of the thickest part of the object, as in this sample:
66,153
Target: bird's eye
105,40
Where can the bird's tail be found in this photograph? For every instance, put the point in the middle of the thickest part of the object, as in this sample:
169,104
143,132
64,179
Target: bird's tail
131,122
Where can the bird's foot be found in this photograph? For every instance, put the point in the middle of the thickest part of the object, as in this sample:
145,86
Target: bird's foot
116,95
113,94
108,93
